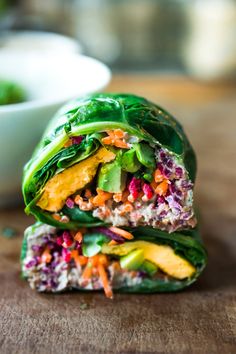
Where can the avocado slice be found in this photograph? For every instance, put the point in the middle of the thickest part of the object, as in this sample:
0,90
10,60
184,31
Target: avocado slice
149,268
145,155
129,161
111,178
133,260
162,255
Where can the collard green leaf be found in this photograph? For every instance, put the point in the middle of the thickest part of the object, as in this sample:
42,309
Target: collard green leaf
92,115
187,244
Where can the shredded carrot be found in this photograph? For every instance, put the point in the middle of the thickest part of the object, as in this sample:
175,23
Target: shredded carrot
79,236
111,133
107,140
162,187
127,207
116,138
95,271
103,260
119,133
79,260
116,265
46,257
158,177
121,144
117,197
153,184
101,197
83,260
56,217
105,282
94,260
122,232
112,243
87,273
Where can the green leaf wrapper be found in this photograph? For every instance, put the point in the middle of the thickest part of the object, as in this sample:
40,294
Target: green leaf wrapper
91,115
186,244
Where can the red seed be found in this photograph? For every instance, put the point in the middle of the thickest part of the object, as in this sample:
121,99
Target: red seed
59,240
66,255
70,203
134,187
148,191
67,238
77,139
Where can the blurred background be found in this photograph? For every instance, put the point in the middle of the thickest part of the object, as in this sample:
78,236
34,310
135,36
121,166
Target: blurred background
193,37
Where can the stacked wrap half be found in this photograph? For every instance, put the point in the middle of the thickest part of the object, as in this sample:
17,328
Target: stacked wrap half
111,185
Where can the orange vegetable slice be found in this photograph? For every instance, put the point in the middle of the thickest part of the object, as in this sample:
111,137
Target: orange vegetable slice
122,232
162,188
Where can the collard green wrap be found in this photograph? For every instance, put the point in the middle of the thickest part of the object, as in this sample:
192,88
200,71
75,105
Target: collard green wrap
49,276
88,117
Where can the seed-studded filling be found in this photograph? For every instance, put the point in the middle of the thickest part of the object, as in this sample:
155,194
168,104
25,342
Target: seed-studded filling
97,258
125,182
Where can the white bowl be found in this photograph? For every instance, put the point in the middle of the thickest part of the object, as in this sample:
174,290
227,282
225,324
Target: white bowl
50,81
36,41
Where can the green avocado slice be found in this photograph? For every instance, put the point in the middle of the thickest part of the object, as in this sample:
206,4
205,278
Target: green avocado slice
111,178
133,260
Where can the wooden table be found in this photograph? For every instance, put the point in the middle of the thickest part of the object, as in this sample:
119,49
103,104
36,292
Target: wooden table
201,319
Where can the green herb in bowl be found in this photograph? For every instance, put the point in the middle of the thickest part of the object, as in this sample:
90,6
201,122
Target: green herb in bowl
11,92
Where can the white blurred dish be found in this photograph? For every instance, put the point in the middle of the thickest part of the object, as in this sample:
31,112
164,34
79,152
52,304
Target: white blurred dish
50,81
39,41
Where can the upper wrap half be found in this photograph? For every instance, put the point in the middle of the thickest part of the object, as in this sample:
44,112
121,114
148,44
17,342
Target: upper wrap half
140,259
112,159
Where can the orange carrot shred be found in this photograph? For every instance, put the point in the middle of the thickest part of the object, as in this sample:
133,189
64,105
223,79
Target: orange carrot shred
158,177
79,260
153,184
94,260
79,236
111,133
119,133
101,197
122,232
103,260
46,257
107,140
87,273
56,217
121,144
112,243
162,188
117,197
105,282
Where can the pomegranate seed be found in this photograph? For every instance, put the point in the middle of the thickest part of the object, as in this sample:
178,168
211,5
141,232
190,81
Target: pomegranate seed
59,240
67,238
66,255
134,187
70,203
77,139
148,191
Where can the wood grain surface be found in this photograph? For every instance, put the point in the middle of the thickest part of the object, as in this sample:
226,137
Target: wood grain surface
201,319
